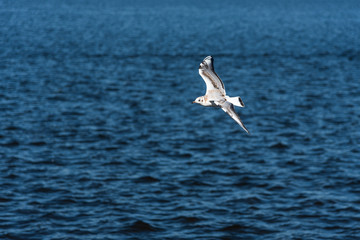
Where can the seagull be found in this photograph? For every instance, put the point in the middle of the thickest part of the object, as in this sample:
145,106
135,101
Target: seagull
215,92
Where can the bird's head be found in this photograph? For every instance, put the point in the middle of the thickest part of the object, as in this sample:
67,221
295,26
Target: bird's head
199,100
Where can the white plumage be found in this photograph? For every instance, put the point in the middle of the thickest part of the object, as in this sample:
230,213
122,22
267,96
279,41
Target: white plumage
215,95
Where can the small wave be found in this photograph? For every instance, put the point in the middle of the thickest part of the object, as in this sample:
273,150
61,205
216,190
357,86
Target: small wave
234,227
12,128
279,145
186,219
146,179
141,226
11,143
37,143
3,200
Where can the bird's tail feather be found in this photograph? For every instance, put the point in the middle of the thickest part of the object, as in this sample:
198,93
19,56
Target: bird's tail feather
236,101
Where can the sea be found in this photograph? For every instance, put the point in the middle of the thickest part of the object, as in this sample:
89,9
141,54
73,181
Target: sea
99,138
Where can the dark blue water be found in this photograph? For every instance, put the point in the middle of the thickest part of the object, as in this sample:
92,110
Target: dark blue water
99,139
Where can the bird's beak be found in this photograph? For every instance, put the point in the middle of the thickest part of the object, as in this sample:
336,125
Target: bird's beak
193,101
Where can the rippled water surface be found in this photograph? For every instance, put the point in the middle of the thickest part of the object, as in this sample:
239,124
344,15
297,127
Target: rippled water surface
99,139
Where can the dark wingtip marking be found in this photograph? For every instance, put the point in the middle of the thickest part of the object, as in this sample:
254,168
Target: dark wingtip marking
241,102
246,130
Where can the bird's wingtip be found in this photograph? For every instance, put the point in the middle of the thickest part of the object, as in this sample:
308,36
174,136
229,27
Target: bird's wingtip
245,129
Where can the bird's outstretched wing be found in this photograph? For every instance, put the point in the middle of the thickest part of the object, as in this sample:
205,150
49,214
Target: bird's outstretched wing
229,109
212,80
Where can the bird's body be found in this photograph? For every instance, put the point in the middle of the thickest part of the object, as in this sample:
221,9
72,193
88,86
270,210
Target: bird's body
215,95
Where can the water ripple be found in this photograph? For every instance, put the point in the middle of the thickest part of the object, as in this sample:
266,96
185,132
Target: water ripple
99,139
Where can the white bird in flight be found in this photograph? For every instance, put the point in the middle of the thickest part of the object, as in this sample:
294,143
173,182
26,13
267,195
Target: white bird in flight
215,92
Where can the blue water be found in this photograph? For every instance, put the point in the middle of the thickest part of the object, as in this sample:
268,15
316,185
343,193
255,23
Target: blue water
99,139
